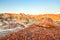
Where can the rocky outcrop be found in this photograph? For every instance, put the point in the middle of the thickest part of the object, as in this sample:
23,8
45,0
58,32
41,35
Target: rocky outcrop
46,22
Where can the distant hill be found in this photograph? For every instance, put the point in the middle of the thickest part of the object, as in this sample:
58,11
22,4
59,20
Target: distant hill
52,16
37,17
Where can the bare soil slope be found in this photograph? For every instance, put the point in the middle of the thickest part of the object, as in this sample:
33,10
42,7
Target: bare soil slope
34,32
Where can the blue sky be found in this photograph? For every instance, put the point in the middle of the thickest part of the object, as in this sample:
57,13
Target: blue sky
30,6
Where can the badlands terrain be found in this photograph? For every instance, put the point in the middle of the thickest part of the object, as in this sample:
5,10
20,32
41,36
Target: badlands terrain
29,27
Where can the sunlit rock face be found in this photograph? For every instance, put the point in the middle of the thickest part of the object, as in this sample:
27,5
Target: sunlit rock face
46,22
